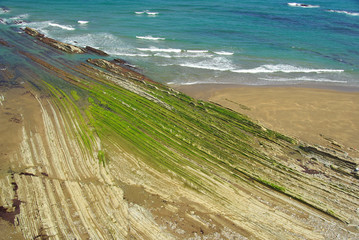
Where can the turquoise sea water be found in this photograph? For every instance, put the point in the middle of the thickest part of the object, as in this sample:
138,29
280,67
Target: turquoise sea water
224,41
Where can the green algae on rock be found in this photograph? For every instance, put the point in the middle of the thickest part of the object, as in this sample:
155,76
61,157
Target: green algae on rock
101,131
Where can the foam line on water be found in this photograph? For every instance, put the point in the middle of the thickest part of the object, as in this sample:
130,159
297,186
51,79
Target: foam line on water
149,37
65,27
197,51
302,5
304,79
345,12
283,68
224,53
154,49
196,83
216,64
147,12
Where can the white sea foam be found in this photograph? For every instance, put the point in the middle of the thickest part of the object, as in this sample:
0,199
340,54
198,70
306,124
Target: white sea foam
65,27
147,12
216,63
197,51
149,37
15,20
164,55
303,5
344,12
107,42
184,54
302,79
154,49
131,54
42,27
82,22
197,82
22,16
4,10
283,68
152,13
224,53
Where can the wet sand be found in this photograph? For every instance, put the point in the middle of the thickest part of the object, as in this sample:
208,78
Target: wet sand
328,117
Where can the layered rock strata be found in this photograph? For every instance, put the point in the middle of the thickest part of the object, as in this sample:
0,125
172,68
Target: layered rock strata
94,150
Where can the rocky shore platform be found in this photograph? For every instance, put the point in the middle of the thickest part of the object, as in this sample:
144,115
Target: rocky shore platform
92,149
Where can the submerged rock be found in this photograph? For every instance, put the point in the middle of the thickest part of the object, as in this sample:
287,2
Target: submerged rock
5,9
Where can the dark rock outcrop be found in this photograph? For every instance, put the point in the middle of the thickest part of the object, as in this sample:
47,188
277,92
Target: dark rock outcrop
65,47
54,43
120,70
32,32
96,51
124,63
336,160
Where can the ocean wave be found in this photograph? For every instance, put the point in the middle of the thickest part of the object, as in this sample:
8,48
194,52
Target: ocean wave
130,54
18,20
107,42
303,5
154,49
164,55
344,12
177,53
65,27
283,68
82,22
149,37
197,82
22,16
152,13
4,10
197,51
216,64
302,79
44,26
184,54
147,12
224,53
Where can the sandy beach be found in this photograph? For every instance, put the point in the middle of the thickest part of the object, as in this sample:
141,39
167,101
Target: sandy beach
326,117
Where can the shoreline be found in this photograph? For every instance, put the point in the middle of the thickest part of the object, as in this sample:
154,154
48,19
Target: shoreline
320,115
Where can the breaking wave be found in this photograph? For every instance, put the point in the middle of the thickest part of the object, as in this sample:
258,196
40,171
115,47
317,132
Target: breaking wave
224,53
302,79
303,5
82,22
283,68
147,12
149,37
154,49
216,64
344,12
65,27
